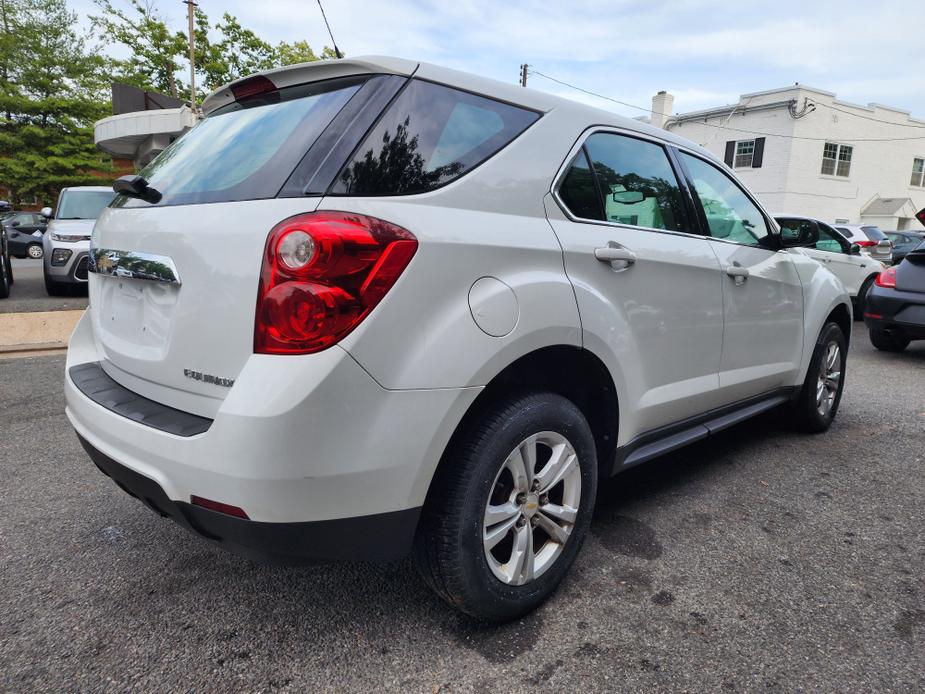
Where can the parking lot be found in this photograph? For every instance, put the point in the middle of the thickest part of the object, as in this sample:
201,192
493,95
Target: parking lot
759,560
28,292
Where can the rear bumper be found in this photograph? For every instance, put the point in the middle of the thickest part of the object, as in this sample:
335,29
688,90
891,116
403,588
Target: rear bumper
297,441
382,536
896,311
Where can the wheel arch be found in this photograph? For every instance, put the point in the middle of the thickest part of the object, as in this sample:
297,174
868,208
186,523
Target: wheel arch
841,316
573,372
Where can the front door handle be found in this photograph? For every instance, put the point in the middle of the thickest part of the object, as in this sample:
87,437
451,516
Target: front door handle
737,272
619,258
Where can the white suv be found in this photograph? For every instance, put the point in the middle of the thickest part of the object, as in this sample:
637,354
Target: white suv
371,305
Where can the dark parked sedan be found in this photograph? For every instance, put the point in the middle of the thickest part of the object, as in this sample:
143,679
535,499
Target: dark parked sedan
895,308
24,234
903,242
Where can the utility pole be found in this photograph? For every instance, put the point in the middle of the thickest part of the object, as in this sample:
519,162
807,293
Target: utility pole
523,75
190,5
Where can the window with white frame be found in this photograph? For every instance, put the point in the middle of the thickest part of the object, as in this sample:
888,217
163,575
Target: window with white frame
836,159
918,172
745,152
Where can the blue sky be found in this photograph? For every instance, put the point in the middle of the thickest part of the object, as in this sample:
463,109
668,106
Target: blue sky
705,52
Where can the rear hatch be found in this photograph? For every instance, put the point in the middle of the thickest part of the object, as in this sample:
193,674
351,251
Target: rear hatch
910,274
174,278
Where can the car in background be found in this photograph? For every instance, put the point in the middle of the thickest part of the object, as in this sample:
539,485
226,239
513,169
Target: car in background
895,313
6,267
903,242
870,238
67,240
856,270
24,232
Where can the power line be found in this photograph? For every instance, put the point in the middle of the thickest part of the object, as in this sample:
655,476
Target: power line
330,33
726,127
871,118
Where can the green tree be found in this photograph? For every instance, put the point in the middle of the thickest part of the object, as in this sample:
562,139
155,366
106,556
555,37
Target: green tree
53,87
300,52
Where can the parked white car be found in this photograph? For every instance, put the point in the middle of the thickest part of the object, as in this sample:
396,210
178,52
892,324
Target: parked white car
856,270
370,304
67,239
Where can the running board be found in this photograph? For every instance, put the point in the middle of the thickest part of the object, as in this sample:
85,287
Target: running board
667,439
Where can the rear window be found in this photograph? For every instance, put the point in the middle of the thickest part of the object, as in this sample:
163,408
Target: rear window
83,204
429,136
247,149
873,233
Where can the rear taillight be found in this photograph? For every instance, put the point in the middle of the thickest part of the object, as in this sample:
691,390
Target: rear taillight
887,278
867,244
322,274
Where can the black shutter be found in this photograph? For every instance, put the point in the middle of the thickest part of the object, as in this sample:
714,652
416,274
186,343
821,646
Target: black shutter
758,156
730,153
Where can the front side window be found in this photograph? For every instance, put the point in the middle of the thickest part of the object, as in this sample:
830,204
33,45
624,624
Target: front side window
918,172
745,152
637,182
731,215
429,136
836,159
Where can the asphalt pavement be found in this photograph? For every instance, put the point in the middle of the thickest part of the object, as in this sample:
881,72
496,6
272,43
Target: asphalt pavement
28,291
760,560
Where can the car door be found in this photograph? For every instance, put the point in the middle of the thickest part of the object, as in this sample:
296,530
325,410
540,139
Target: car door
762,293
647,284
852,270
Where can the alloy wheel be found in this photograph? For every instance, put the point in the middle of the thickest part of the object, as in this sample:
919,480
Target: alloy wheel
532,508
829,379
35,252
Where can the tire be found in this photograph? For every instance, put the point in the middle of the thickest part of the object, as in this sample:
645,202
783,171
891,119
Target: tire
35,251
888,341
6,277
55,288
861,301
9,267
477,469
817,403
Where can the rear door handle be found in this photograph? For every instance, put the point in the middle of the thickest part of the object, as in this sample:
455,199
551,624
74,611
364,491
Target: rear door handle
619,258
737,272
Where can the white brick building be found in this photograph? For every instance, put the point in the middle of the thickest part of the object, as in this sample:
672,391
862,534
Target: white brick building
836,161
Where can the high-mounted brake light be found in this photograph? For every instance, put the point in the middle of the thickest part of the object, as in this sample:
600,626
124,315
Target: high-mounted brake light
322,274
252,86
887,278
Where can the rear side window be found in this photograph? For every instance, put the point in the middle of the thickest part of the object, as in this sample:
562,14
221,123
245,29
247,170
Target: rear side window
429,136
247,149
579,191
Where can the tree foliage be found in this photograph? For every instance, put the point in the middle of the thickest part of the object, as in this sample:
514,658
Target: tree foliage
53,87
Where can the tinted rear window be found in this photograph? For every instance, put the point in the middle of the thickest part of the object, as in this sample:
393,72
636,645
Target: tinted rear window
83,204
873,233
247,149
429,136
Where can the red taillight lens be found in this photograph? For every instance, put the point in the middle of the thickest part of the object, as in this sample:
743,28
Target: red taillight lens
887,278
322,274
867,244
228,509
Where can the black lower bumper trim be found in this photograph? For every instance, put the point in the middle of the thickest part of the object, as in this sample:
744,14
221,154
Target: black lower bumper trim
377,537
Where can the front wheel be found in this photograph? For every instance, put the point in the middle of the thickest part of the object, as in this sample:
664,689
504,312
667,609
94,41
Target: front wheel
861,302
509,507
817,403
55,288
35,251
6,277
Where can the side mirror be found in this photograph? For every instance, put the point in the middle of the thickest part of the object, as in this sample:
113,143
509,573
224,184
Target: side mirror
47,212
15,224
855,249
798,236
628,197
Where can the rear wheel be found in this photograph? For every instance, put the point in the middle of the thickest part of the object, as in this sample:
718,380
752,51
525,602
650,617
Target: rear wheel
9,266
861,301
55,288
817,404
509,507
888,341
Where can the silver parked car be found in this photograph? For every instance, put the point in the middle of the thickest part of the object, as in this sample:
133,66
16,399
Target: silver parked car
872,241
67,239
